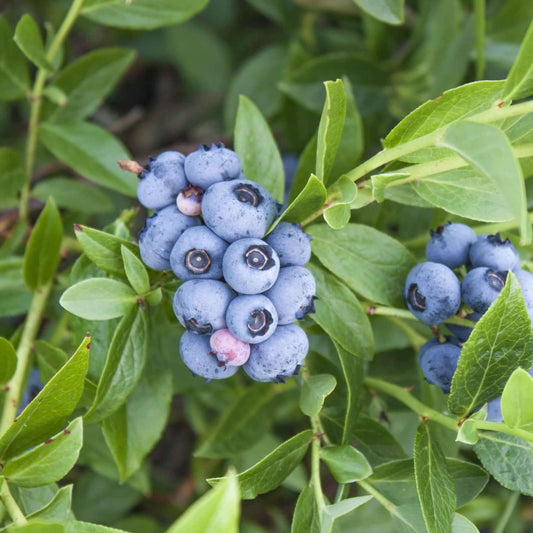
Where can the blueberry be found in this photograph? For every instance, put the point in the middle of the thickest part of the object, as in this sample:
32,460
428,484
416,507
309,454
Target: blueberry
290,165
252,318
189,200
33,388
493,252
250,266
199,358
159,235
293,294
198,254
463,332
237,209
438,361
450,244
525,279
481,286
278,357
162,181
291,243
229,349
211,164
200,305
494,410
432,292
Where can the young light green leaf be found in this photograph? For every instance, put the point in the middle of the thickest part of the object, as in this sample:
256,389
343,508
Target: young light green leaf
50,461
346,463
42,253
339,314
467,432
389,11
336,510
12,175
330,128
433,482
124,364
517,407
135,271
8,360
380,182
261,161
269,472
341,194
216,512
49,411
367,260
519,82
487,148
501,342
314,391
58,508
91,151
55,95
15,77
28,39
306,515
99,299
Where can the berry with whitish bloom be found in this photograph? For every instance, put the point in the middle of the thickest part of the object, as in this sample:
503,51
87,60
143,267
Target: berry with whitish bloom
463,332
291,243
438,362
228,348
494,252
252,318
450,244
494,410
189,201
481,286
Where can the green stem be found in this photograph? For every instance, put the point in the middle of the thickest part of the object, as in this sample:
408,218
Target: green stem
377,495
29,333
11,505
36,100
342,491
502,428
507,512
479,15
315,472
414,337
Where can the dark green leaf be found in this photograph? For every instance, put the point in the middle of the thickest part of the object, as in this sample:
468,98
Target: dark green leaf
15,298
42,253
8,360
28,39
306,516
389,11
261,161
50,461
58,508
91,151
517,407
49,411
268,473
519,83
135,271
367,260
501,342
15,77
433,482
309,200
314,391
346,463
12,176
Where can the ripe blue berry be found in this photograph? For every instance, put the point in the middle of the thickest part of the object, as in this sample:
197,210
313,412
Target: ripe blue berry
494,410
159,235
198,254
438,362
211,164
200,305
228,348
250,266
252,318
278,357
162,181
189,201
481,286
33,388
196,353
293,294
432,292
494,252
237,209
450,244
463,332
291,243
525,279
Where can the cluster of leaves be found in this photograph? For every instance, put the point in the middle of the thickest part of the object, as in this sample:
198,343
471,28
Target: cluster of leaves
394,449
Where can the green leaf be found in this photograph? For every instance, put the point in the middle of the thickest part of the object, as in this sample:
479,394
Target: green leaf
49,411
49,462
217,511
37,526
517,408
99,299
141,14
380,182
55,95
508,459
135,271
501,342
330,128
468,432
339,314
269,472
12,176
88,80
336,510
346,463
15,298
433,482
314,391
42,253
455,104
58,508
389,11
341,196
90,151
124,364
519,82
367,260
487,148
8,360
261,161
28,39
14,74
306,516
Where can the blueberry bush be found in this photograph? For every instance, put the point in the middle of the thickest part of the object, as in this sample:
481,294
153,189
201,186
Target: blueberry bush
333,195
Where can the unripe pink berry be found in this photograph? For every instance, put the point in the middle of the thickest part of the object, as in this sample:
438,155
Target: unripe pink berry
189,200
229,349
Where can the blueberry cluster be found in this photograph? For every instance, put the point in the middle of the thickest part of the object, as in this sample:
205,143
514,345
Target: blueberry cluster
242,290
433,292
